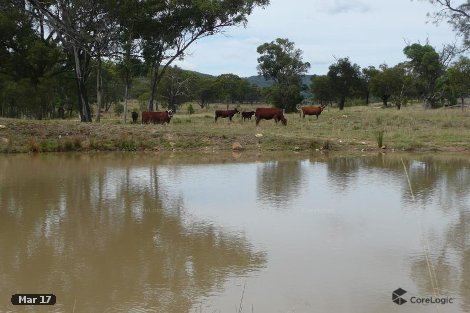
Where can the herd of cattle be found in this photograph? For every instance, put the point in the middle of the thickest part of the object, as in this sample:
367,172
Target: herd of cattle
260,114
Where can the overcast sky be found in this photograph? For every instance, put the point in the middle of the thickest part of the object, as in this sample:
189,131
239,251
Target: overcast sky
369,32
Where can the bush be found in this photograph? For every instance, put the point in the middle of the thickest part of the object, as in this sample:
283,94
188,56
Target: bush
118,108
48,146
355,102
126,144
190,109
33,146
379,137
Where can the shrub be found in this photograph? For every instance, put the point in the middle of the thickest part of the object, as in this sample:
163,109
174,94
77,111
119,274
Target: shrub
33,146
355,102
126,144
379,136
190,109
118,108
48,146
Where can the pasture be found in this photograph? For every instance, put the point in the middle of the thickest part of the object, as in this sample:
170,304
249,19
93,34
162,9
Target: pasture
355,128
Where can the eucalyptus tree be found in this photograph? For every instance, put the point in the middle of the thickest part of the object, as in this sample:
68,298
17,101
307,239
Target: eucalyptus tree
168,28
203,90
427,67
457,13
253,93
392,83
230,88
31,63
128,54
174,87
321,88
345,78
385,83
368,74
281,62
85,30
458,79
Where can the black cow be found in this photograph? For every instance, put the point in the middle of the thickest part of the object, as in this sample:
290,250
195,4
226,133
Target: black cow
135,116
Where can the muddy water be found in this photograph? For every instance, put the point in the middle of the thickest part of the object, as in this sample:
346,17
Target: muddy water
146,233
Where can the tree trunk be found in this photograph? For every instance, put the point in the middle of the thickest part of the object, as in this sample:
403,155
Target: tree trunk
341,103
126,95
83,106
99,89
385,100
172,104
153,92
462,103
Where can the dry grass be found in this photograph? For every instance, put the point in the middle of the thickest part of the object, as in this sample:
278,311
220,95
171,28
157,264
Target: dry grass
354,128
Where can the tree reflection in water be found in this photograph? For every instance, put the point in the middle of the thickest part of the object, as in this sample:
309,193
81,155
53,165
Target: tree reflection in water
114,234
438,181
103,235
279,182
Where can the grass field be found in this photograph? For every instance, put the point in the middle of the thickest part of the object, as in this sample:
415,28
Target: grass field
355,128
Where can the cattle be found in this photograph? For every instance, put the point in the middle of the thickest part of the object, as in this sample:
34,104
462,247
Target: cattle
247,115
135,116
157,117
270,113
310,110
226,113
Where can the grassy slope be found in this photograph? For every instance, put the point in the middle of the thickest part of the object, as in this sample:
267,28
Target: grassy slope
355,128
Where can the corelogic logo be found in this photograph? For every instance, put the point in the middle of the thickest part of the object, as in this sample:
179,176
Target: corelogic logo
396,296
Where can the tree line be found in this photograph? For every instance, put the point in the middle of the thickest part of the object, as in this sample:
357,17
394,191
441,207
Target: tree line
425,76
51,49
58,56
435,77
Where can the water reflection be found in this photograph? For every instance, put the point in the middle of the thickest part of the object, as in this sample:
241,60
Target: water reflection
341,172
103,235
119,233
445,240
279,182
429,176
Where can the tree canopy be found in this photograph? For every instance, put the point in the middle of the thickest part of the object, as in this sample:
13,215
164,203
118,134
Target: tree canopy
158,31
457,14
281,62
344,78
427,67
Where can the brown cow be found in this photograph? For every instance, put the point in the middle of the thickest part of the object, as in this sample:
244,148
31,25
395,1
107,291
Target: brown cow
247,115
157,117
270,113
311,110
226,113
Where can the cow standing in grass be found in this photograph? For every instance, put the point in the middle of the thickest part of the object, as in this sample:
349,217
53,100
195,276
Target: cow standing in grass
226,113
135,116
310,110
269,114
247,115
157,117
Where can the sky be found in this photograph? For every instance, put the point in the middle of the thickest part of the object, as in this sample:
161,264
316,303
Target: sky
369,32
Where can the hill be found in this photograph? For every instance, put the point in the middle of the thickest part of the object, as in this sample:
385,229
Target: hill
259,80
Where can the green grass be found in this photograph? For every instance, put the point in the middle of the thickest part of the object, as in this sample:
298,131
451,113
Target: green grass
354,128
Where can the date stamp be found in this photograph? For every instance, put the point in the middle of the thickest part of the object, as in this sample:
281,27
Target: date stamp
33,299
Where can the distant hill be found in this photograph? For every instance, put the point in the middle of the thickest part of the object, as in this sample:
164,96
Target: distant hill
200,74
259,80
